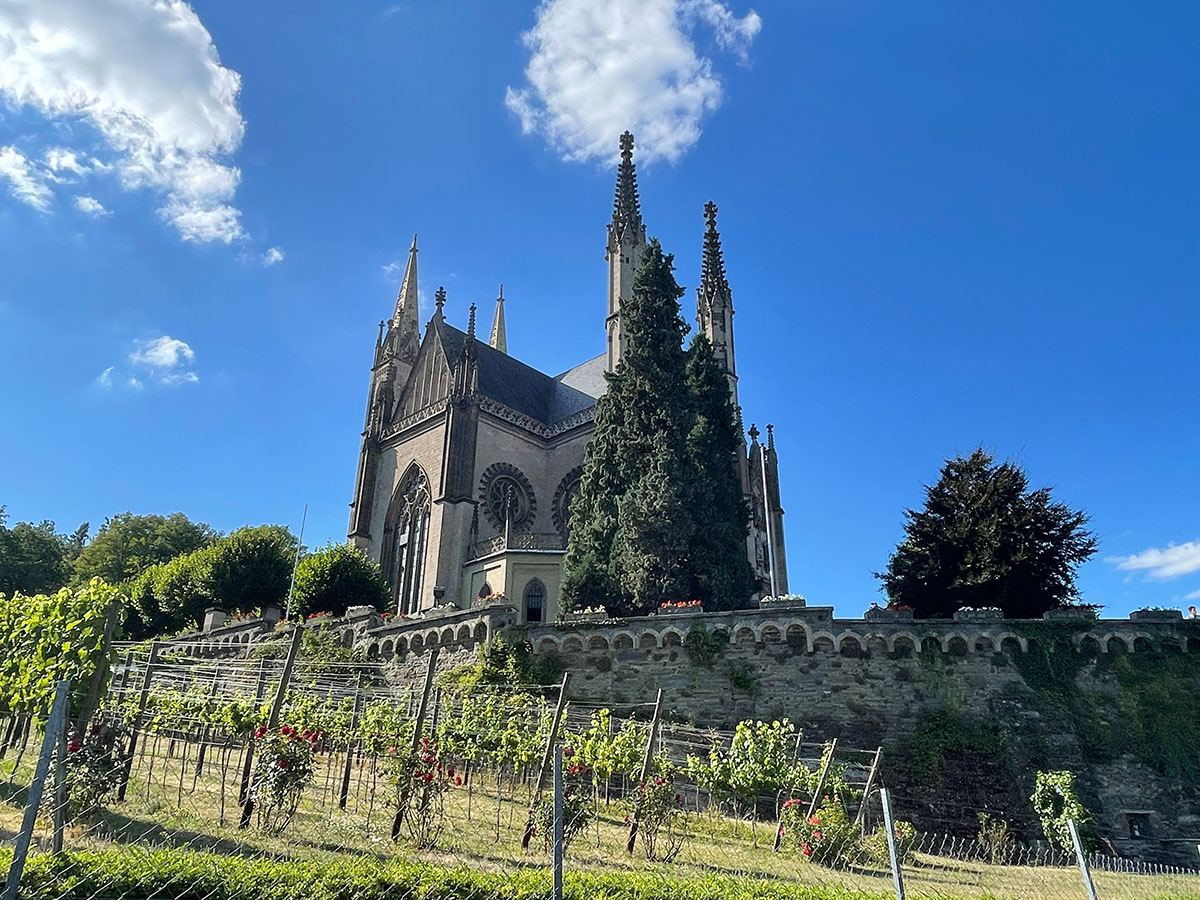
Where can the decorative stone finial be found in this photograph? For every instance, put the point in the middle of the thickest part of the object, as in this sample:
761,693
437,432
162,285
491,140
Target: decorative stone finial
627,145
471,322
770,437
753,433
439,300
710,214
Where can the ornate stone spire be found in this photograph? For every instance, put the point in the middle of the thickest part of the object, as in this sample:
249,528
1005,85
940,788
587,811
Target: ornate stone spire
714,285
771,438
499,335
471,323
627,211
404,332
439,303
626,239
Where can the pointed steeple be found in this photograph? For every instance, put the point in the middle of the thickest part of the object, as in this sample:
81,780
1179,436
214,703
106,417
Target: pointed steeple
714,285
404,332
627,211
626,240
499,338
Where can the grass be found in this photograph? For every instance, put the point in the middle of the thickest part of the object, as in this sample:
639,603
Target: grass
194,821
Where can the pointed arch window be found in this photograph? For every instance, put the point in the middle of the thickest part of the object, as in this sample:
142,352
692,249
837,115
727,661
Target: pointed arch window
406,538
535,601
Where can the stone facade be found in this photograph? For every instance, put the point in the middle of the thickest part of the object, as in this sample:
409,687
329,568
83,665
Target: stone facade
470,458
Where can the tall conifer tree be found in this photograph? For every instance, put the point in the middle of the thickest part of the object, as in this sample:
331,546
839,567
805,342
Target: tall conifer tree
721,573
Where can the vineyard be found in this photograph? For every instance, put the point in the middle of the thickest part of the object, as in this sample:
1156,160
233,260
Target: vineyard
306,761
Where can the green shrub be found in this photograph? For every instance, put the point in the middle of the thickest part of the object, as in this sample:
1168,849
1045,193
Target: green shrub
1056,803
336,577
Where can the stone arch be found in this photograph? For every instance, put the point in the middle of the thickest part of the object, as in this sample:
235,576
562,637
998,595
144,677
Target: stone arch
446,636
956,645
850,645
597,642
1143,644
877,647
572,643
796,636
623,640
417,644
1010,645
744,635
1022,643
648,640
373,651
671,637
387,649
401,647
904,644
984,644
246,637
481,632
1089,645
547,645
770,634
932,644
824,643
464,634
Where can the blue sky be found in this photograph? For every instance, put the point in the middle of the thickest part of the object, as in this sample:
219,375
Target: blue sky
946,225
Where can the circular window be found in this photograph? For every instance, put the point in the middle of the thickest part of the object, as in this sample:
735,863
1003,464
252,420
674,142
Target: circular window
507,497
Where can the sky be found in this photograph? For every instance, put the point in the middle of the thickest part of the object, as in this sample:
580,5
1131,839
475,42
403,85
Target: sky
945,226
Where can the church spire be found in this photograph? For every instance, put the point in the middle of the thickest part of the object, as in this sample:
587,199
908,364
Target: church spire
499,338
626,240
627,211
714,299
404,332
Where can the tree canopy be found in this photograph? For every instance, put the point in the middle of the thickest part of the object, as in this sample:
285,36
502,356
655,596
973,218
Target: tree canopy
657,514
127,545
35,559
983,539
336,577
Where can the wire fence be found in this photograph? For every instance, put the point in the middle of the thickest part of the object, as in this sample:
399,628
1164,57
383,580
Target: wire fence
281,761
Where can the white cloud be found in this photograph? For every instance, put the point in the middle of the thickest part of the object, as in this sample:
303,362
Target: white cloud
25,181
273,256
180,378
91,206
146,76
598,67
394,269
105,377
1161,565
162,353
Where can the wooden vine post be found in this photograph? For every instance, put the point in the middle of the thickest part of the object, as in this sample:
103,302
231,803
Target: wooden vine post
143,699
791,787
91,700
816,797
647,761
872,774
418,732
352,744
289,663
547,757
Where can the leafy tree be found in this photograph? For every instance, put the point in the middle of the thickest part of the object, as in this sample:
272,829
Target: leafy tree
32,558
127,545
985,540
251,568
721,573
336,577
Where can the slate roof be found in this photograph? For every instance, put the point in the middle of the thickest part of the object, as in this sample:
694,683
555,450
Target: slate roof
516,385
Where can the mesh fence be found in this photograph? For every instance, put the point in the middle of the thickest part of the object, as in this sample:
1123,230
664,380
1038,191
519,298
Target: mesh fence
179,758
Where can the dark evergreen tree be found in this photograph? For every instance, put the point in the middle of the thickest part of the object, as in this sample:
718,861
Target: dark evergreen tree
985,540
721,573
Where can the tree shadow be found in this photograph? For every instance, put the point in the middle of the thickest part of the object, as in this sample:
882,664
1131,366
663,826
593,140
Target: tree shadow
121,829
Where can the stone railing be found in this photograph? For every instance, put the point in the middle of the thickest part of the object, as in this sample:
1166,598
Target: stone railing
459,629
520,540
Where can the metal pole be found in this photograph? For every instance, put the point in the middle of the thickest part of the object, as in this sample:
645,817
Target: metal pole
558,822
55,724
548,756
296,562
1084,870
60,788
897,876
767,519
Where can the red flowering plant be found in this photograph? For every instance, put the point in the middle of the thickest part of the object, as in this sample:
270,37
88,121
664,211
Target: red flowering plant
680,604
283,767
578,803
875,845
421,779
660,814
94,765
828,836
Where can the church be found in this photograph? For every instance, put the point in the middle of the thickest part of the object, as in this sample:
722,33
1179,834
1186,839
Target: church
470,458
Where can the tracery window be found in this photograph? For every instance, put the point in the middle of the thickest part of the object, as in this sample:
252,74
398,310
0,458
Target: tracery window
535,601
406,538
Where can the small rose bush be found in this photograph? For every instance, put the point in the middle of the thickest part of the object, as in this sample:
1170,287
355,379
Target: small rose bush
579,806
827,837
661,818
421,780
875,845
283,767
94,765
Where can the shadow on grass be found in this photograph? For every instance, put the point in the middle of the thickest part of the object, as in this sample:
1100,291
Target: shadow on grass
121,829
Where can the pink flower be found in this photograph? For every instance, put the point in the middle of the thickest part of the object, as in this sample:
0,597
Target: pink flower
457,780
806,848
74,745
815,820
